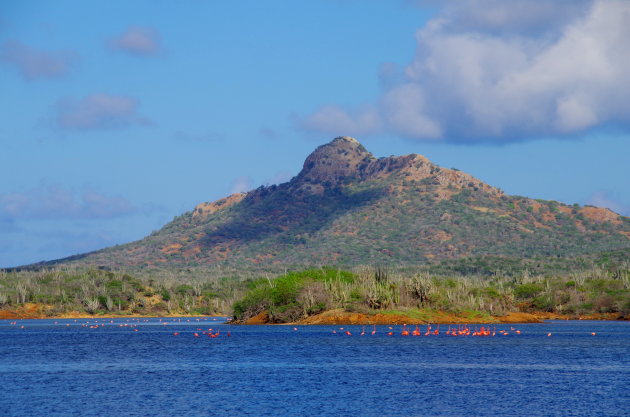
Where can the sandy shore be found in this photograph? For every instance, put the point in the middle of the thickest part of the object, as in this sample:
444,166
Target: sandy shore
331,317
334,317
40,311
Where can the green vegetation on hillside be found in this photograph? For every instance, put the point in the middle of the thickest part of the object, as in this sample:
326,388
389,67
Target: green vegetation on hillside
347,208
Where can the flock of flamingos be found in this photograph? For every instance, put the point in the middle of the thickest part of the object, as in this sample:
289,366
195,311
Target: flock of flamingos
462,330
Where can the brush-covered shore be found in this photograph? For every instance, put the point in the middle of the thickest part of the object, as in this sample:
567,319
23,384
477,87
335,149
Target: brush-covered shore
377,296
362,295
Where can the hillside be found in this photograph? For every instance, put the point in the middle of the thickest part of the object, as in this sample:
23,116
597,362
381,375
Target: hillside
347,207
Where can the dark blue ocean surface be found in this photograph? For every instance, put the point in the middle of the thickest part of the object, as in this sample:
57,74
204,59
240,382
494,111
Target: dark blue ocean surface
142,369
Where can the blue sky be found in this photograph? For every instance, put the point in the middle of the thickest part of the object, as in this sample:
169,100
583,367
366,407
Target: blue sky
117,116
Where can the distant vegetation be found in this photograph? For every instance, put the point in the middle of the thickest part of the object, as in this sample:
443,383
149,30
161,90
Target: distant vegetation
102,292
368,290
487,284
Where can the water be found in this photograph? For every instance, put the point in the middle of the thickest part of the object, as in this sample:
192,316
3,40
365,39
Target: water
49,369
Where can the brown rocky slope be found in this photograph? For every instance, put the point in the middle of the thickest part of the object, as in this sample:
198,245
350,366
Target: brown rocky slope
347,207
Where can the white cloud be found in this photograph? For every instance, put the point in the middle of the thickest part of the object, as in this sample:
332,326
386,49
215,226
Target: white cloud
490,70
574,114
523,17
404,109
34,63
137,40
99,111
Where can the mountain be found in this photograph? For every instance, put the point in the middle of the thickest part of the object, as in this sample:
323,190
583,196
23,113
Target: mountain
347,207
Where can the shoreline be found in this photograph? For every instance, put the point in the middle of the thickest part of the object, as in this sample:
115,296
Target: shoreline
340,317
32,311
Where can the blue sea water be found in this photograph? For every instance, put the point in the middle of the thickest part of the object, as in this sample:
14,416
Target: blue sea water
65,368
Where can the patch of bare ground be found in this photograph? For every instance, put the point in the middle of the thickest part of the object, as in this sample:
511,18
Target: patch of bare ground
206,209
341,317
261,318
44,311
600,215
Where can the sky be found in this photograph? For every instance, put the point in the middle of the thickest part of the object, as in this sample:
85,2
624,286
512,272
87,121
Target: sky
116,116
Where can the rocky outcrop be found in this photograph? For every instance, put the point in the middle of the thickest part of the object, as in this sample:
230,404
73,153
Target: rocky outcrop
334,162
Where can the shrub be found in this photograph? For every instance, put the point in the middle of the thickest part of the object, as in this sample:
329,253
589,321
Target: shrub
492,292
114,284
543,303
527,291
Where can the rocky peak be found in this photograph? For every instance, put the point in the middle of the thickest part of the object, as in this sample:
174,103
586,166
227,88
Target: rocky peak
342,158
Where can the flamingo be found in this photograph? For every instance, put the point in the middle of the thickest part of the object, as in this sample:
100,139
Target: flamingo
374,330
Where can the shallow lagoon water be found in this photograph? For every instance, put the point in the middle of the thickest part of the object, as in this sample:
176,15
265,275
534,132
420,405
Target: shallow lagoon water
69,369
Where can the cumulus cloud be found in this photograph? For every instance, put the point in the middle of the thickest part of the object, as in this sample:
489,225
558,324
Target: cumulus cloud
99,111
241,185
490,70
33,63
523,17
54,202
138,41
